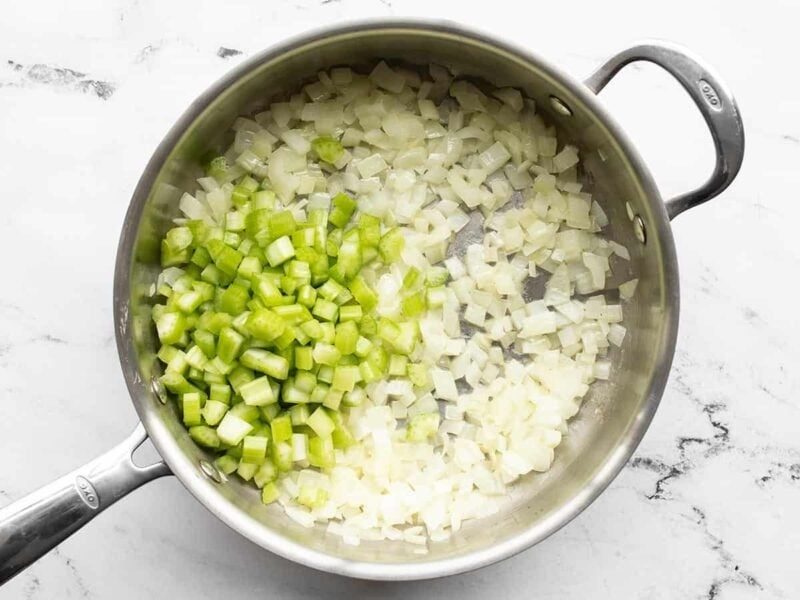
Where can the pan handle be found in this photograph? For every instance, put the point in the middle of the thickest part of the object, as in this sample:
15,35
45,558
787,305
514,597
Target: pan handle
712,97
35,524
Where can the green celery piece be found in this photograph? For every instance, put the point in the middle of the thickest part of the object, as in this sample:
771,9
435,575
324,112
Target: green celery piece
413,305
326,354
265,362
398,365
257,221
320,422
346,337
234,300
306,296
265,324
345,378
245,412
391,245
191,404
299,414
172,258
254,449
369,230
171,327
303,358
249,267
281,428
281,455
436,276
343,207
279,251
227,464
204,436
266,474
422,426
201,257
332,399
225,258
419,374
305,381
230,344
269,493
312,497
246,470
232,429
363,294
258,392
313,329
327,149
320,452
351,312
281,223
213,411
220,393
324,309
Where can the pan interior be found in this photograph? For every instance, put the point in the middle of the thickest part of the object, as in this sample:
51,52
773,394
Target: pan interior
613,417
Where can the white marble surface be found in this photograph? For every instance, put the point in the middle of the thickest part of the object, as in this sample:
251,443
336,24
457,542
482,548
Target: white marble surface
708,506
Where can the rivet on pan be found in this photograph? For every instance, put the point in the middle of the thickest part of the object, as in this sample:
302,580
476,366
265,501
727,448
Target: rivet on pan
211,471
158,390
639,230
560,106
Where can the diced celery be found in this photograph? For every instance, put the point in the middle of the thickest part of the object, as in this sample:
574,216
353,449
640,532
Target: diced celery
227,464
327,149
281,428
190,402
326,354
265,324
320,452
345,378
281,455
232,429
419,374
363,294
266,362
246,470
269,493
320,422
254,449
258,392
299,414
397,365
171,326
363,347
266,474
324,309
306,296
391,245
422,426
234,299
220,393
279,251
303,358
343,207
229,345
213,411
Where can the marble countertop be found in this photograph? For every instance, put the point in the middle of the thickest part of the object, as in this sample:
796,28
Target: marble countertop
707,508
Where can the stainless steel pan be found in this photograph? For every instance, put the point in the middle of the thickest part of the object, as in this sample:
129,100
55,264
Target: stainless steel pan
602,436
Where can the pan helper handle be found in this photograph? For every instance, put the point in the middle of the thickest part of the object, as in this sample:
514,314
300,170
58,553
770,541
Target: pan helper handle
713,99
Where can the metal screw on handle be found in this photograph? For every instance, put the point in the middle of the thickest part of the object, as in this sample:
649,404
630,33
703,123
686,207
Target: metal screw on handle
712,97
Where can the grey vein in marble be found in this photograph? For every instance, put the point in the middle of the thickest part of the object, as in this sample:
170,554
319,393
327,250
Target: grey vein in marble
61,77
